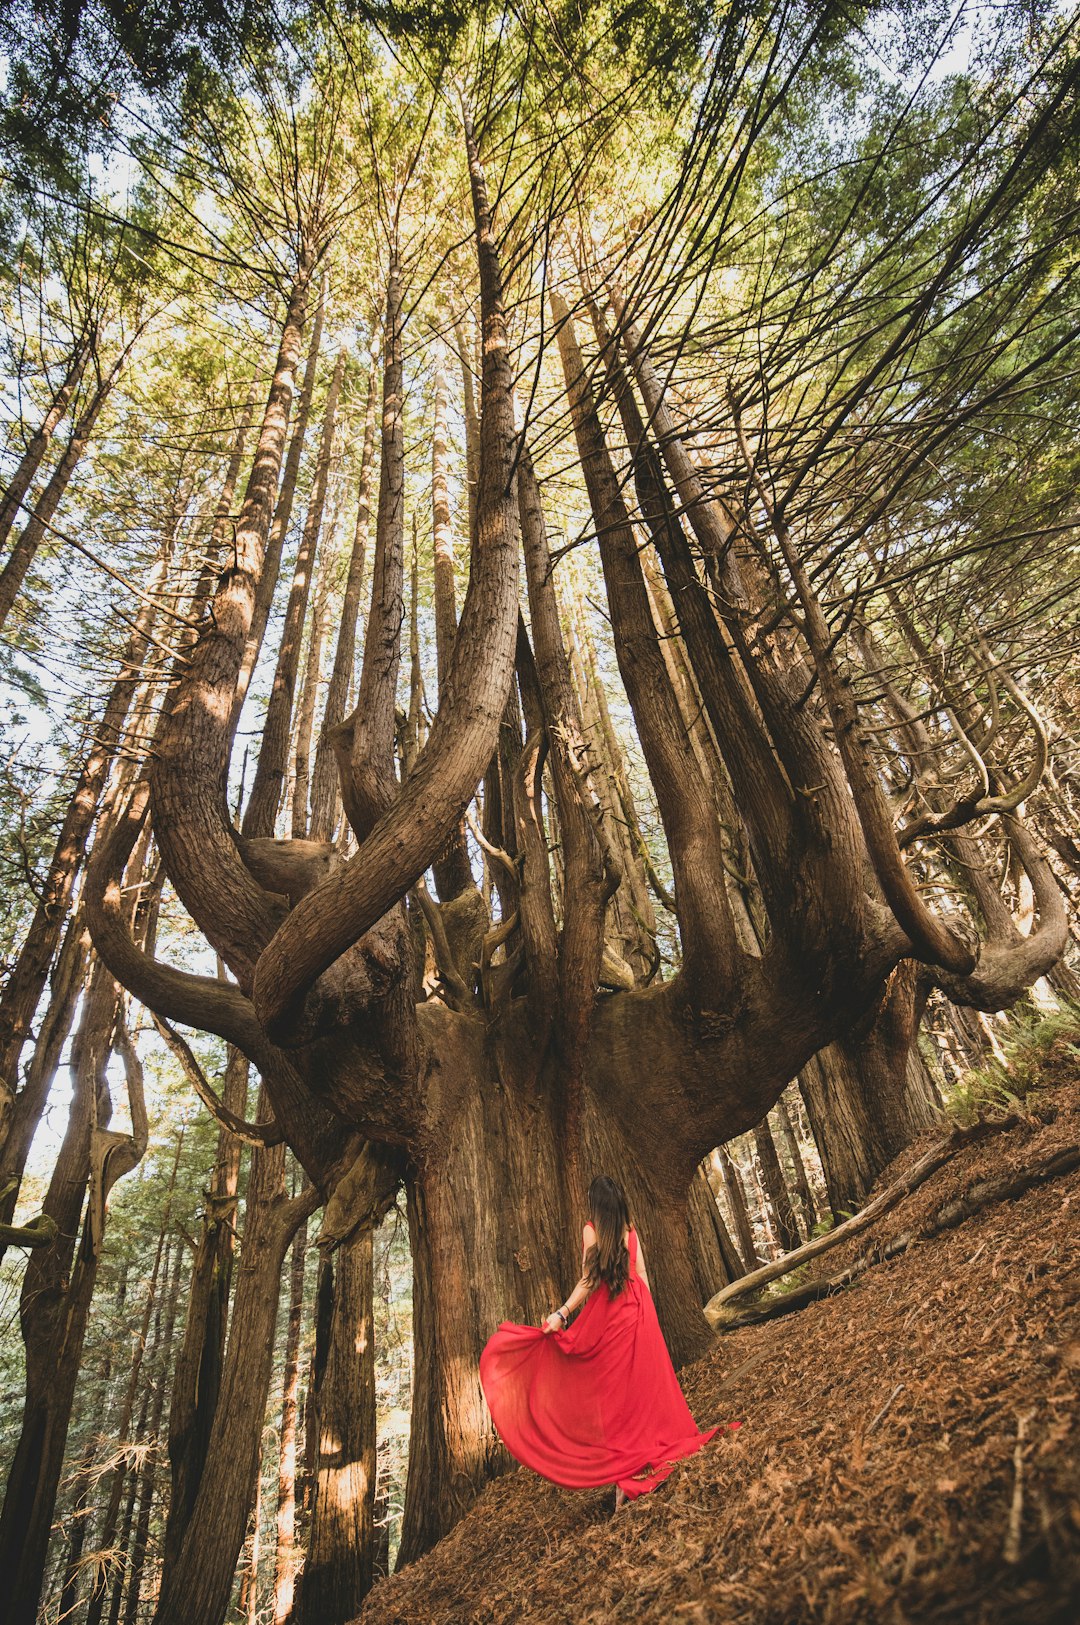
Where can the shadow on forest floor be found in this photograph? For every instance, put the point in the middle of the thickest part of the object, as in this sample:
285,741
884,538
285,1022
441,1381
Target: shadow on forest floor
910,1454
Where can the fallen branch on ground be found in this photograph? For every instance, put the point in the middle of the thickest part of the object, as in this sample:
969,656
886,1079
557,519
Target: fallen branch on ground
984,1193
916,1175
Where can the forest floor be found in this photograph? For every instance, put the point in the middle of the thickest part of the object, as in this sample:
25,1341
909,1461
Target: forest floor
911,1448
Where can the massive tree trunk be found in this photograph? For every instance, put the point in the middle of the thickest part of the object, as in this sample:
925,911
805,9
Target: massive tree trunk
339,1565
865,1104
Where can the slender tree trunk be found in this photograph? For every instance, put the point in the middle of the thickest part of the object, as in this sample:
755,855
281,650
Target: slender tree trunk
270,774
26,982
325,794
339,1566
309,693
197,1379
798,1168
55,1304
287,1558
737,1199
142,1352
36,528
37,445
148,1474
787,1230
275,539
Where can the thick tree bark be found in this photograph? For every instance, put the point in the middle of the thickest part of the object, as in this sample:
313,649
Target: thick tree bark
339,1566
37,445
864,1105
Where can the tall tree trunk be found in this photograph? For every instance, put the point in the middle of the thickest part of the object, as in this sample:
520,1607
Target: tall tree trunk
272,767
309,693
737,1200
142,1352
798,1167
286,1557
148,1473
196,1382
55,1304
26,982
36,446
36,528
339,1566
325,794
787,1230
278,528
197,1580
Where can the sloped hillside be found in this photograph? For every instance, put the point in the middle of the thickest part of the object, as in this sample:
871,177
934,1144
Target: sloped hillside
911,1449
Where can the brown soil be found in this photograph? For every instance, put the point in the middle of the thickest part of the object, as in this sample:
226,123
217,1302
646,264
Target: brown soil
892,1432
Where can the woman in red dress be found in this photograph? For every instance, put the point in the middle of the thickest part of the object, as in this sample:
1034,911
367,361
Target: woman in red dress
597,1402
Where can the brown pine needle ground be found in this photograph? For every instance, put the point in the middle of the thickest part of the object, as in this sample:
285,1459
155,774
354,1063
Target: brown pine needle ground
911,1450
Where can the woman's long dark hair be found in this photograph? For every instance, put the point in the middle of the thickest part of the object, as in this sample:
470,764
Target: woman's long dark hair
608,1259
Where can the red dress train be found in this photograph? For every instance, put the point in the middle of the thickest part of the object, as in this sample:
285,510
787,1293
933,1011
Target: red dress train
598,1403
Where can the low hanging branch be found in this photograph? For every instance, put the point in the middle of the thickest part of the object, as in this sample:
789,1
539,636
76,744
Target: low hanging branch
251,1133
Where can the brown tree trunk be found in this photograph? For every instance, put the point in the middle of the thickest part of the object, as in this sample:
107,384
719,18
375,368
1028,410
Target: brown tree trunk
325,794
30,462
271,771
798,1168
286,1556
56,1293
864,1104
148,1474
309,693
196,1382
26,982
278,528
197,1582
36,528
737,1199
453,872
339,1566
787,1230
142,1352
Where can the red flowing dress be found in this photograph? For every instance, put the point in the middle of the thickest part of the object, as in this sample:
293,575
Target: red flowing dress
598,1403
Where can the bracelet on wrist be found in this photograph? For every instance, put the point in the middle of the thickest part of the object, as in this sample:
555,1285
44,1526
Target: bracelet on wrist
564,1317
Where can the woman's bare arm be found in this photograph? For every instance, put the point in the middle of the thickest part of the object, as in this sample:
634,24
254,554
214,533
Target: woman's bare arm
640,1266
583,1288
